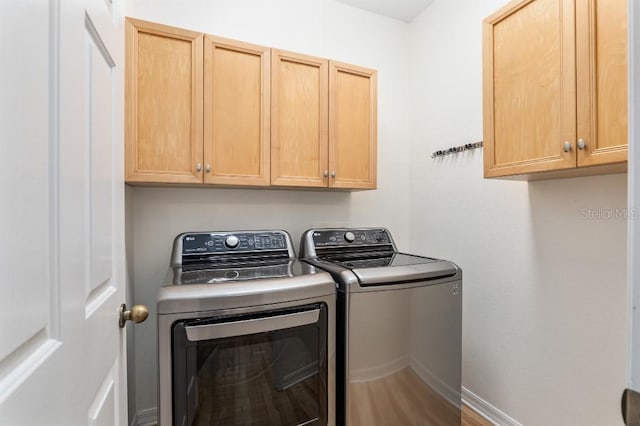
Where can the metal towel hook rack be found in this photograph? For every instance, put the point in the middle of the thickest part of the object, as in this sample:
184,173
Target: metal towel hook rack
457,149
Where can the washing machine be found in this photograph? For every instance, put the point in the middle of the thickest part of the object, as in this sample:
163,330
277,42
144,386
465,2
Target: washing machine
399,329
246,333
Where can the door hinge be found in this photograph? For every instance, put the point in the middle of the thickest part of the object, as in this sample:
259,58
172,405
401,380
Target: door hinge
631,407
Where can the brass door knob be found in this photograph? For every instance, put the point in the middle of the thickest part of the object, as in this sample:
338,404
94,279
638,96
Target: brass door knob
137,314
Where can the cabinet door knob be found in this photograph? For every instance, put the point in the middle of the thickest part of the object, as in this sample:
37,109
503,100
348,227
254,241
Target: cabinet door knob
208,168
326,173
333,174
567,146
581,144
198,167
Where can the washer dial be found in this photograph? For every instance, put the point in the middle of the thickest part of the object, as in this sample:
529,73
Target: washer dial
231,241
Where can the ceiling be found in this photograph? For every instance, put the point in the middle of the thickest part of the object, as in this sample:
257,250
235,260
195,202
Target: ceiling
404,10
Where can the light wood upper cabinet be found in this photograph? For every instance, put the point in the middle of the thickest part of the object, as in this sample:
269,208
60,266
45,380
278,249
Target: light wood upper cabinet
554,75
324,123
236,112
163,103
353,126
601,27
208,110
299,120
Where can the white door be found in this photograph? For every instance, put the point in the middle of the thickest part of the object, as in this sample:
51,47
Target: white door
62,359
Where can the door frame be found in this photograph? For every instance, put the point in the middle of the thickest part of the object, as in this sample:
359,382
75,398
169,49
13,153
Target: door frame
633,203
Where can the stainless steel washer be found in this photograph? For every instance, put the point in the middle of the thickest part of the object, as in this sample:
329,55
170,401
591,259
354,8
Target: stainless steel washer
246,333
399,329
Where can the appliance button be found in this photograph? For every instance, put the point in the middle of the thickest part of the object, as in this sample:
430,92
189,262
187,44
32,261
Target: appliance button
349,237
232,274
231,241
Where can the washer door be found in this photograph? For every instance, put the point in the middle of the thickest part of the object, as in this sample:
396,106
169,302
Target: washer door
262,368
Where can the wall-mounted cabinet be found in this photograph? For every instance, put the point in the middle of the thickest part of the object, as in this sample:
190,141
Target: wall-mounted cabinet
299,120
324,123
163,86
352,126
555,88
236,112
208,110
197,108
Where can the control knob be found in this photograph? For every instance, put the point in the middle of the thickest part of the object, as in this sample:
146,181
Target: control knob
349,237
231,241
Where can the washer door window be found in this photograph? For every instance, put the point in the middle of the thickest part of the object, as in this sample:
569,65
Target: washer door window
266,368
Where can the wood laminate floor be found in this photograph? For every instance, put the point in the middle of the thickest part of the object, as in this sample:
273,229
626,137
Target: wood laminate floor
399,399
403,399
471,418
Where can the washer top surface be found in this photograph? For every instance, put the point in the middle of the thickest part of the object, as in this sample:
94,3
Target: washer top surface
353,261
226,270
371,257
208,274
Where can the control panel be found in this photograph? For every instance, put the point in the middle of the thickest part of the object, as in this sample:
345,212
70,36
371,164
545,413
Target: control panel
226,242
348,237
213,275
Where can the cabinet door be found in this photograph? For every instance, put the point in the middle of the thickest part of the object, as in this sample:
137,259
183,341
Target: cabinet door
236,112
299,120
602,80
353,127
163,103
529,87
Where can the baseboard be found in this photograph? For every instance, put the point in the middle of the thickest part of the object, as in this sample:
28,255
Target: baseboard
487,410
148,417
379,371
446,391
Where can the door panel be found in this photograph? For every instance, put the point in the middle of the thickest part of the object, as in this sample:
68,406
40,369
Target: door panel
529,105
299,107
602,81
103,408
100,92
164,103
163,61
352,126
236,111
24,122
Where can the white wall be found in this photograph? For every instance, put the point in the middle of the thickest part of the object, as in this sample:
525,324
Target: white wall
544,297
318,27
544,336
